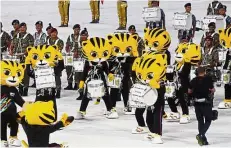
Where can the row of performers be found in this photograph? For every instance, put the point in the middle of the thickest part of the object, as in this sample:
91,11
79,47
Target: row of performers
149,69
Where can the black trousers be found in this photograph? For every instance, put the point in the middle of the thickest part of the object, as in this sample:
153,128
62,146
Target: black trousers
228,91
204,117
181,94
9,117
115,93
153,119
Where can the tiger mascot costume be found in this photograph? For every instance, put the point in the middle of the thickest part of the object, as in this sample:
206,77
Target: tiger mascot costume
12,74
40,57
150,70
124,53
186,56
225,42
96,51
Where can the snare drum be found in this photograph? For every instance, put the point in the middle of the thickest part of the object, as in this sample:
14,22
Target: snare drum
95,89
222,55
141,96
68,59
192,72
182,21
151,14
79,64
44,77
225,76
116,83
170,89
11,58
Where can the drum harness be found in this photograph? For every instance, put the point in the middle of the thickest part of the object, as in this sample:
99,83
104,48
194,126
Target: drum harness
118,71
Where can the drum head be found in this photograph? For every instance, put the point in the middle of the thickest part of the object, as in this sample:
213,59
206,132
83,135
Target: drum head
150,98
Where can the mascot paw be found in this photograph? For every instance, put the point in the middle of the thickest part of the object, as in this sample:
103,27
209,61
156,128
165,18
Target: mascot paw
19,116
111,77
226,104
81,84
67,119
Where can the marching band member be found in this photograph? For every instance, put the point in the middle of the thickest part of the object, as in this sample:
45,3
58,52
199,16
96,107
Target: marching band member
64,12
189,34
16,25
222,11
213,8
211,32
96,51
150,70
72,46
48,30
225,41
122,14
19,45
161,24
5,40
39,36
54,40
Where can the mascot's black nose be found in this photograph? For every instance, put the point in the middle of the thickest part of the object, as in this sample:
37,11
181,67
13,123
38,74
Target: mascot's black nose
41,61
13,77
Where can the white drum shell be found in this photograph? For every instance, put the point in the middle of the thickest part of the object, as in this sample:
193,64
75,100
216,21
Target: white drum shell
182,21
222,55
217,19
68,59
170,89
151,14
95,89
116,83
45,78
170,69
225,76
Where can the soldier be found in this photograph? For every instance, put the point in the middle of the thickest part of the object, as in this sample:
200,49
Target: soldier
210,56
149,3
64,12
39,36
48,29
213,8
212,33
122,14
95,10
15,24
54,40
189,34
19,45
161,24
5,40
73,46
141,46
222,11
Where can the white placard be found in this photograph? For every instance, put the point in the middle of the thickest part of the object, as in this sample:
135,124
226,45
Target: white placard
151,14
182,21
222,55
79,64
45,78
217,19
11,58
192,72
95,89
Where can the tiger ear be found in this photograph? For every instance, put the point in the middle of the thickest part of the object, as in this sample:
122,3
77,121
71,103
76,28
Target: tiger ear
109,37
84,43
146,30
220,30
135,36
29,48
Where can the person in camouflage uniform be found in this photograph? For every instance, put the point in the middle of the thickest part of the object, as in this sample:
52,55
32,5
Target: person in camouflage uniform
141,46
19,45
212,33
222,11
5,40
213,8
54,40
189,34
48,30
73,46
15,24
210,57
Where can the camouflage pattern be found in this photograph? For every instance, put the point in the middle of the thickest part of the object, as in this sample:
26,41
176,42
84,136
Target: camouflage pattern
141,46
210,56
213,8
21,42
14,33
57,42
73,44
215,36
39,39
5,41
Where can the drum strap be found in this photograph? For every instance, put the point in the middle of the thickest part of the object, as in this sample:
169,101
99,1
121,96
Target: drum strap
23,36
1,34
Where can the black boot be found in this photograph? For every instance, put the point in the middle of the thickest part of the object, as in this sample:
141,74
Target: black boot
205,142
80,96
75,87
69,87
62,25
58,94
199,139
97,21
65,25
93,21
25,92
